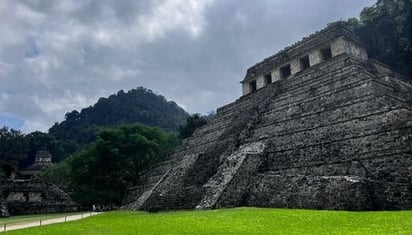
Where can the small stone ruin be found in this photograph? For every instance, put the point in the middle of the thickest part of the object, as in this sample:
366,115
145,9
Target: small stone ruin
33,196
22,193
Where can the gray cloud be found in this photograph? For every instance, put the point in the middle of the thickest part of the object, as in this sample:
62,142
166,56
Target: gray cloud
56,56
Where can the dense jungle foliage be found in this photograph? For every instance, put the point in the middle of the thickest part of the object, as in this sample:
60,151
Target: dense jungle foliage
386,30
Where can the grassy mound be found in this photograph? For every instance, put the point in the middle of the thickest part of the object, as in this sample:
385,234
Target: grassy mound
235,221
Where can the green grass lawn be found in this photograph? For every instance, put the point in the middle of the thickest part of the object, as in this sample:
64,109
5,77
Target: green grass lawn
235,221
28,218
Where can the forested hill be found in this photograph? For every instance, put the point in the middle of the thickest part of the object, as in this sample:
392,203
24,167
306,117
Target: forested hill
137,105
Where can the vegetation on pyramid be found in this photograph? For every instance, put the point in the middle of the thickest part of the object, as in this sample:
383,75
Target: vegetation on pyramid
386,30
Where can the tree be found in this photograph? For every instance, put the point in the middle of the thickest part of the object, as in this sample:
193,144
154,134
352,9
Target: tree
13,145
386,30
63,149
36,141
58,174
13,148
43,141
102,172
192,123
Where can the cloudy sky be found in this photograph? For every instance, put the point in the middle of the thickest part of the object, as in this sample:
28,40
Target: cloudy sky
61,55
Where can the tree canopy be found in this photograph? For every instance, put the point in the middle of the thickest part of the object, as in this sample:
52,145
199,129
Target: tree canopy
102,172
136,106
386,30
13,149
192,122
13,145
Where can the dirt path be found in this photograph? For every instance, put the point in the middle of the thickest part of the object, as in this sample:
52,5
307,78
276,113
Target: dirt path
34,223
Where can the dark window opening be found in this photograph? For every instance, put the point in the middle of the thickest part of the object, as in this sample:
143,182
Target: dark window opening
268,79
285,71
6,171
26,197
326,53
304,62
252,86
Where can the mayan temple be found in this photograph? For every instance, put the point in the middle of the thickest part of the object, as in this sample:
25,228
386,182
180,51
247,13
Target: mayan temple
319,125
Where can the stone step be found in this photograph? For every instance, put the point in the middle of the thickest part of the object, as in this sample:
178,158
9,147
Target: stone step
322,102
384,142
291,88
214,125
164,191
324,90
291,122
219,182
210,129
146,193
307,191
314,165
346,129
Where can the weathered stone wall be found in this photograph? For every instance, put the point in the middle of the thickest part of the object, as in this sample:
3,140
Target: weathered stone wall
326,125
337,135
4,212
148,181
341,45
34,197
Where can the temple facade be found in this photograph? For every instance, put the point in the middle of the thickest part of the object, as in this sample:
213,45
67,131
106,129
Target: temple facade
315,49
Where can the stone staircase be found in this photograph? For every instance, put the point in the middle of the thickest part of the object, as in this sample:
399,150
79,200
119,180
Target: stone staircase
228,170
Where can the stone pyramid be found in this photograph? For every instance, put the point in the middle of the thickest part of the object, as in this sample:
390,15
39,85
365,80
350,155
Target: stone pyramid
319,125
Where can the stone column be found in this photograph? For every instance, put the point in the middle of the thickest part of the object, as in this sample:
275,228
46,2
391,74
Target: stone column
275,75
294,66
245,88
260,82
314,57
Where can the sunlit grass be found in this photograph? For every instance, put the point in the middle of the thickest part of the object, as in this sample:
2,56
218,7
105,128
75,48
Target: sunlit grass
235,221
